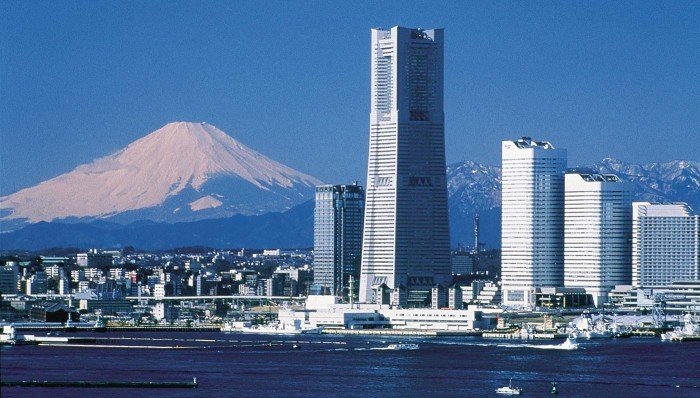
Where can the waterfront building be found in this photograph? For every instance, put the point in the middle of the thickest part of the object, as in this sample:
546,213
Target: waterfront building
597,233
52,312
406,244
105,306
338,218
371,316
9,275
665,244
532,236
677,298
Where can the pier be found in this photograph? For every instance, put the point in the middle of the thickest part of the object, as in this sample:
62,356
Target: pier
101,384
402,332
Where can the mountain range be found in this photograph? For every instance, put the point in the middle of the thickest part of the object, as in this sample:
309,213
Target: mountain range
473,187
190,184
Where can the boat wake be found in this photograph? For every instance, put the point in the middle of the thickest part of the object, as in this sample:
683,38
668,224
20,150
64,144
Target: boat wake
566,345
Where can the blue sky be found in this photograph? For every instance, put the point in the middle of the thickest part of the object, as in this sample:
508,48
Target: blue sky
80,80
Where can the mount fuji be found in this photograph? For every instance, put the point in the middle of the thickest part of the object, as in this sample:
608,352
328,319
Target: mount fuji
181,172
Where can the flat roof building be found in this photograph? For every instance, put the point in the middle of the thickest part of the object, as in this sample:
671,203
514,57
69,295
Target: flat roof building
597,233
665,244
532,232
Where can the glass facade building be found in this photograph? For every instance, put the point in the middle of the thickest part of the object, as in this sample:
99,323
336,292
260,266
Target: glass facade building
338,218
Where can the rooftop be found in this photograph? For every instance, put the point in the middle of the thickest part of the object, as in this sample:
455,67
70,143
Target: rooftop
591,176
527,142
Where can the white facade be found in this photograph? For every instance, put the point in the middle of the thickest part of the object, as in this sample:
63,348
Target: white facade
343,316
532,236
597,232
159,290
665,244
406,242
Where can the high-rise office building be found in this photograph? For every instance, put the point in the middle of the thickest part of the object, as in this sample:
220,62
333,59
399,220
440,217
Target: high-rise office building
532,236
338,218
462,262
665,244
9,275
597,232
406,246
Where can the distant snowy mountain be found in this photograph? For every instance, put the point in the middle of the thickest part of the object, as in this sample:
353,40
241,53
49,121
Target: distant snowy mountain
476,187
472,187
675,181
180,172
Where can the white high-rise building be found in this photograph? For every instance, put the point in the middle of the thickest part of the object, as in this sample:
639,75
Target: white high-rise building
665,244
532,235
406,246
597,232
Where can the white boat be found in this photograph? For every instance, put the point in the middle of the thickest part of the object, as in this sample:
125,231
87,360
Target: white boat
690,329
273,328
569,344
402,346
586,327
235,326
509,389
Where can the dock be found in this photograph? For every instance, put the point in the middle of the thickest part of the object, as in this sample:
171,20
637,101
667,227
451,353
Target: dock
165,328
101,384
401,332
516,335
684,338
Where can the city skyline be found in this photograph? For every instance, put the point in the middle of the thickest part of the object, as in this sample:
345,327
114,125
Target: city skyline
99,95
333,261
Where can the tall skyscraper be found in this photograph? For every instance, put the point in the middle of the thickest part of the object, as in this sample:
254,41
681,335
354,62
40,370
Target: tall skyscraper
406,246
665,244
532,236
338,218
597,232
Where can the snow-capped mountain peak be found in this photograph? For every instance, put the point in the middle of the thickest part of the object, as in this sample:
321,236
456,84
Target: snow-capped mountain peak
181,171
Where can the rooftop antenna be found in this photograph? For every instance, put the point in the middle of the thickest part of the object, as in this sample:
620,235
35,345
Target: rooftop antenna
476,231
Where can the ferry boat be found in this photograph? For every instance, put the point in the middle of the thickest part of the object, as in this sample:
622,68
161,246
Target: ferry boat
690,330
273,328
402,346
509,389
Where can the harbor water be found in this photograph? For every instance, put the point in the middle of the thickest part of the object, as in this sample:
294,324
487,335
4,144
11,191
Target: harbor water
230,365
